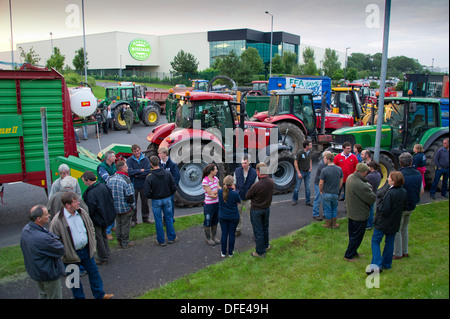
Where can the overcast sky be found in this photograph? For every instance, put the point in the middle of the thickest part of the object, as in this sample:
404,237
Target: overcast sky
418,29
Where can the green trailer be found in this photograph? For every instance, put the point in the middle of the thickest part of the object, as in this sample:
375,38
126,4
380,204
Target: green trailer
22,157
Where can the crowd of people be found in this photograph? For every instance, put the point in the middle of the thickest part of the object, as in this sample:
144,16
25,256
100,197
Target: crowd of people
80,224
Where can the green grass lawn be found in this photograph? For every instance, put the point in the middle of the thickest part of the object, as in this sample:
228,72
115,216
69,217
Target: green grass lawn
309,264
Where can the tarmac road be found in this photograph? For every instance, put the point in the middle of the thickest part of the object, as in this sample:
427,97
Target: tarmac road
134,271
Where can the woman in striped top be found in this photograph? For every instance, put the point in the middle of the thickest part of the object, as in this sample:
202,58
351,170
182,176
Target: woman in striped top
210,184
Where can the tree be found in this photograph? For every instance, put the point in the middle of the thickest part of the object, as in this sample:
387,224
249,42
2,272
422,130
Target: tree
289,60
331,62
277,64
310,68
308,54
56,60
78,60
254,61
352,74
184,62
31,57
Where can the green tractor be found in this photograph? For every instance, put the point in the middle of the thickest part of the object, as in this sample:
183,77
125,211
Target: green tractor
119,97
406,121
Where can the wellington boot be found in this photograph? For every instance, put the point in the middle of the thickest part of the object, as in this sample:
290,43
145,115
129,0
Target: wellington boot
334,224
209,241
327,223
214,234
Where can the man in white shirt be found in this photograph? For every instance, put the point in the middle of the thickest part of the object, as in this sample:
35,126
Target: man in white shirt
76,230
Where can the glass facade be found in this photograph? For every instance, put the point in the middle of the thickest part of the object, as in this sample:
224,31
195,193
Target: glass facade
220,46
220,49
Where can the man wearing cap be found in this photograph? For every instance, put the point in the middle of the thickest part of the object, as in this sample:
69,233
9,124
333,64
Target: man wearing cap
359,197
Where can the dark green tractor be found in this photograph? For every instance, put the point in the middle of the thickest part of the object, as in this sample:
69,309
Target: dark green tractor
406,122
118,97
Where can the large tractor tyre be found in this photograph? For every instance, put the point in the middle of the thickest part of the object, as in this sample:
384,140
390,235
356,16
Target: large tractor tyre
151,116
152,150
386,167
119,123
292,136
190,191
430,166
284,175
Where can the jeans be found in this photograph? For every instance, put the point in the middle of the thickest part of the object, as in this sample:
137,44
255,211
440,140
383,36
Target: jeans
317,201
228,227
370,220
260,223
158,206
385,260
402,236
306,175
211,212
95,280
330,204
437,176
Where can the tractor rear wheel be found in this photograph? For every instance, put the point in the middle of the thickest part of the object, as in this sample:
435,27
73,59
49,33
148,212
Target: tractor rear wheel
190,191
292,135
386,167
284,176
119,123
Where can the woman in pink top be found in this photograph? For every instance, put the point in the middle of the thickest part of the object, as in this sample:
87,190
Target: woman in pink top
210,184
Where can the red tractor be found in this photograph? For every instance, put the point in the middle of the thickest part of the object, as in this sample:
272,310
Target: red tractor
294,113
208,129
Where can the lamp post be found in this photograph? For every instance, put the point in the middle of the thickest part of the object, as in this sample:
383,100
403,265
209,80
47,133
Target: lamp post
84,46
271,40
345,72
12,41
51,41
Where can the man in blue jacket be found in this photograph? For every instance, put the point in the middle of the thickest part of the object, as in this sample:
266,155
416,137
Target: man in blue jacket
244,177
138,169
42,252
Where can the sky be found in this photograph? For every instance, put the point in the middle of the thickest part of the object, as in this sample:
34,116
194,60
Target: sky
418,29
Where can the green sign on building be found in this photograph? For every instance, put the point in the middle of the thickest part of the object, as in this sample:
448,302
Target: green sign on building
140,49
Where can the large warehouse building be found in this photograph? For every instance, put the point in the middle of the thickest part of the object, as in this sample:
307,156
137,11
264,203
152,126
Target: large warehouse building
116,52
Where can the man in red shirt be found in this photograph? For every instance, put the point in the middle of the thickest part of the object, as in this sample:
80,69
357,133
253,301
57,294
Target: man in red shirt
347,162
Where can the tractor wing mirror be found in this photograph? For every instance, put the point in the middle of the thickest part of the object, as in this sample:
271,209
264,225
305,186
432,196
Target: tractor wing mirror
413,107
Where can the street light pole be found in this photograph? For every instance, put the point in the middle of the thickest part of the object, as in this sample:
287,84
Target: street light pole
345,72
12,42
271,41
51,41
84,45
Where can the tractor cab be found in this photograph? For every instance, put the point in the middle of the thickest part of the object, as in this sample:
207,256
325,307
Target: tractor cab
200,85
259,88
211,110
346,100
297,104
410,121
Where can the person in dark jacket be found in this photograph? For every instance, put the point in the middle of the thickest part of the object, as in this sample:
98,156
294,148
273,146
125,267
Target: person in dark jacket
260,195
374,179
244,177
98,197
42,251
159,186
414,187
169,165
228,215
138,169
387,222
